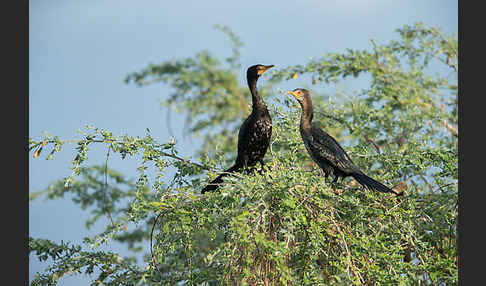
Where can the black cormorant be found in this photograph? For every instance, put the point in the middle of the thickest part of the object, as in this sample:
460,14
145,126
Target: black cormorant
255,132
326,151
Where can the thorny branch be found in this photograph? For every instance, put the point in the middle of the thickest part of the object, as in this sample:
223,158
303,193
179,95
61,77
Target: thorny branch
115,141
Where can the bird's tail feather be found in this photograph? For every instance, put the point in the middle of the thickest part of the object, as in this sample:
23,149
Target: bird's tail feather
214,184
372,183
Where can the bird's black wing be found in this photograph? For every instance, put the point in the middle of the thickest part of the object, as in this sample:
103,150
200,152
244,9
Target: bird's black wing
244,133
325,147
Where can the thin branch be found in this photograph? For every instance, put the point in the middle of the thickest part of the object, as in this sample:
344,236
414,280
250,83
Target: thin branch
151,251
450,128
426,182
160,152
349,258
106,188
378,150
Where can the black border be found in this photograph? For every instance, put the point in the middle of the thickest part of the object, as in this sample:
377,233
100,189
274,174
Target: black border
15,136
471,144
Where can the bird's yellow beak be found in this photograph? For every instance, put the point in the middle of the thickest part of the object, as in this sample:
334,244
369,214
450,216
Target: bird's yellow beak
265,69
293,94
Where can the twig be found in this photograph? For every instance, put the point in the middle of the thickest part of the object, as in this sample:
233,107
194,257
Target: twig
378,150
446,185
151,251
106,187
426,182
160,152
348,254
450,128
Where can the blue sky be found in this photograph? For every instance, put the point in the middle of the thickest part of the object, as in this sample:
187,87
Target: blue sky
80,52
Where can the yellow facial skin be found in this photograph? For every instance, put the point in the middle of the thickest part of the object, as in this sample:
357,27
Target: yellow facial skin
299,95
264,69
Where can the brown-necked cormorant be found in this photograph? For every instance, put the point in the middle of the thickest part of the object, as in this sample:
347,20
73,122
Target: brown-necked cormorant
326,151
255,132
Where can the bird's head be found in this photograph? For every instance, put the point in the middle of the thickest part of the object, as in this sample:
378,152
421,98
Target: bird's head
301,94
256,71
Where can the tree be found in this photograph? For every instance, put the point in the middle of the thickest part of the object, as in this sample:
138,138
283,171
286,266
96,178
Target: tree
288,225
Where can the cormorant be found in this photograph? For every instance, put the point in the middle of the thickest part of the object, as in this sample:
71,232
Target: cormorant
255,132
326,151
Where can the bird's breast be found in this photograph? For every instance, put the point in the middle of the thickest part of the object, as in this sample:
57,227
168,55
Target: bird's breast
259,136
263,129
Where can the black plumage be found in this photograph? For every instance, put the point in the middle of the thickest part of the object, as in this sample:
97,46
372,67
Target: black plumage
326,151
255,132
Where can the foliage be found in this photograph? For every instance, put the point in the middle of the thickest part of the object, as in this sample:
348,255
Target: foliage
287,225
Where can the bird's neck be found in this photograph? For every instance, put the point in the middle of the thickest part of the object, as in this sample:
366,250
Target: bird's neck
306,116
257,100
